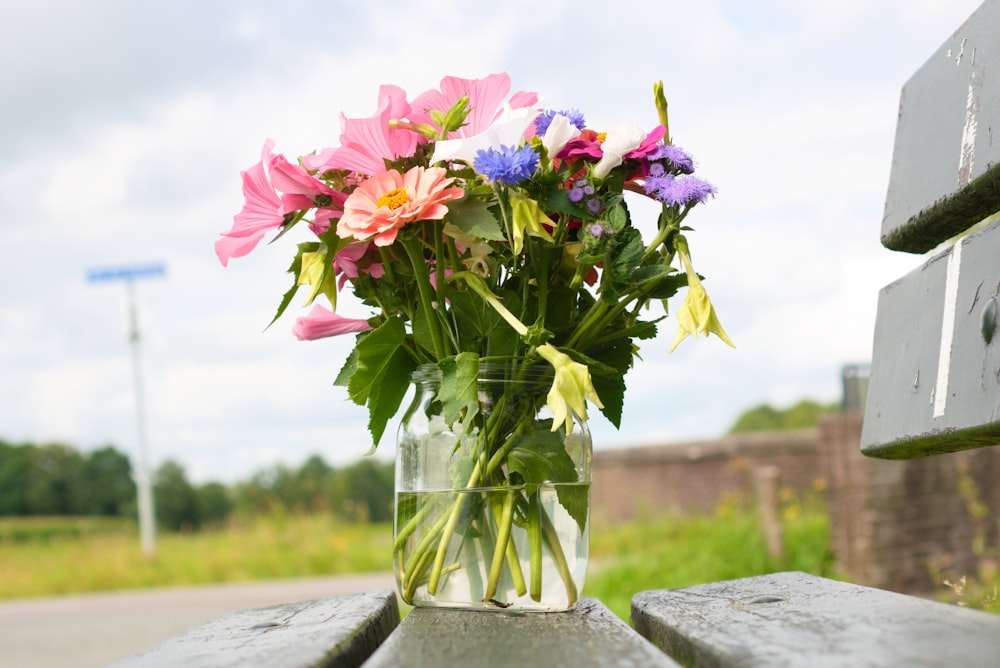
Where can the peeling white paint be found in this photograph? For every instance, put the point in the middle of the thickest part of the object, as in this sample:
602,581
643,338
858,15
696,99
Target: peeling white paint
961,51
967,154
952,272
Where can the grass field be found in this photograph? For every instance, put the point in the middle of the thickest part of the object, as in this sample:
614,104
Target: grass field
64,555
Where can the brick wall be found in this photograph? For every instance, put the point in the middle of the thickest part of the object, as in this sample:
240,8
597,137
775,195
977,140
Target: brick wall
695,476
891,521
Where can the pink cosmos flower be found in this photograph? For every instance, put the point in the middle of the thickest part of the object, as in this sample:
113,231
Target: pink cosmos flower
388,201
300,189
486,96
321,322
365,143
262,211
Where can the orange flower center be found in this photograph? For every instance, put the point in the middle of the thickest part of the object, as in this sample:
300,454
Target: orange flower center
393,199
601,136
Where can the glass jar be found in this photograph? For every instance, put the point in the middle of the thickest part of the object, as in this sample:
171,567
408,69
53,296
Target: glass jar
492,504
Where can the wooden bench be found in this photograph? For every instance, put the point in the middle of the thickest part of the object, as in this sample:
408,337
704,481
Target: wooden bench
934,388
784,619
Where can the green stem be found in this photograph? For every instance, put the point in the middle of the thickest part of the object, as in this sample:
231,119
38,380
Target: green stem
422,278
535,544
500,550
555,548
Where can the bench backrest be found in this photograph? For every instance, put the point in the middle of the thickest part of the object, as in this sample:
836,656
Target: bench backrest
935,375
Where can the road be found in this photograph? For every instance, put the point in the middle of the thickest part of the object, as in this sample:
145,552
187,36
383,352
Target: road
92,630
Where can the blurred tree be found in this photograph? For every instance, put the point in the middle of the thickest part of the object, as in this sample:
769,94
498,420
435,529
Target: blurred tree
105,485
15,467
215,503
764,417
174,498
53,477
366,490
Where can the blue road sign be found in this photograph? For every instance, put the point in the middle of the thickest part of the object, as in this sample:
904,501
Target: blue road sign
127,273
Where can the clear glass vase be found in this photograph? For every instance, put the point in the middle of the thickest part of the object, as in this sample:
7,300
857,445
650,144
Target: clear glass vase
492,505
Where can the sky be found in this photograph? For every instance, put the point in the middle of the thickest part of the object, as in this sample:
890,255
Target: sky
125,125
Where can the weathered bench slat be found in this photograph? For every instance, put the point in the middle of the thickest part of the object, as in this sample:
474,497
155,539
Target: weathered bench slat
338,632
935,374
590,635
945,173
796,619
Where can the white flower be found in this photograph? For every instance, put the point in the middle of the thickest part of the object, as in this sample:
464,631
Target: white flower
620,140
558,134
507,130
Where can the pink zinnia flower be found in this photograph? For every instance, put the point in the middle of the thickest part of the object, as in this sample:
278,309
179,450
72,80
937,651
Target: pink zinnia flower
388,201
366,143
262,211
486,97
321,322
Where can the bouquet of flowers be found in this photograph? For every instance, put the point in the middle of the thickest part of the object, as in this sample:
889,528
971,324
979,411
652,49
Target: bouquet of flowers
482,227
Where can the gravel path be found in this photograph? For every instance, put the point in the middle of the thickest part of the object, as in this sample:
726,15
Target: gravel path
92,630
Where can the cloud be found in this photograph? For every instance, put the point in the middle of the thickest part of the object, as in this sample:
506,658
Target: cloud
129,123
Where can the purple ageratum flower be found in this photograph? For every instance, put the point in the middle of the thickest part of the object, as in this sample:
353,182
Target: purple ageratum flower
507,165
545,118
575,195
676,155
594,205
679,190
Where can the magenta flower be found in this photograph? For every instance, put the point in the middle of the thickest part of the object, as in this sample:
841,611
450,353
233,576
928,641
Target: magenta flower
486,97
321,322
590,145
366,143
262,211
354,260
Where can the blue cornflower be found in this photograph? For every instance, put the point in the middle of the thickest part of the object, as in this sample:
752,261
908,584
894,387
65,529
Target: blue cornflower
677,156
545,118
679,190
508,165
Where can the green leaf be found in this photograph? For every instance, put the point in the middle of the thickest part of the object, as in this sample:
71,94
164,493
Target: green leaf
422,331
576,500
392,386
557,199
294,269
626,253
350,365
458,392
540,457
608,367
616,217
473,216
660,281
379,374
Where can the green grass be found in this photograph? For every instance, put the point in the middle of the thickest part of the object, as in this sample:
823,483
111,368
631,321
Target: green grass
46,556
278,546
667,552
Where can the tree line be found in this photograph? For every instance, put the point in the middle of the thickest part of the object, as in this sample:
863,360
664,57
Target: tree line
57,479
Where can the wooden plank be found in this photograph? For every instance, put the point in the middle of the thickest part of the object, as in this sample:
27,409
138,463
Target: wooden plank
935,374
590,635
945,175
339,632
796,619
